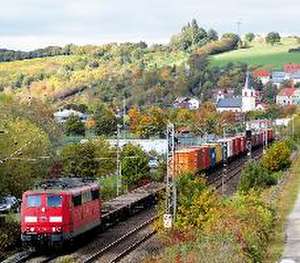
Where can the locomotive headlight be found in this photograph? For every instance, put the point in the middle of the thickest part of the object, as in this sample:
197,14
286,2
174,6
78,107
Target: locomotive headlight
55,219
30,219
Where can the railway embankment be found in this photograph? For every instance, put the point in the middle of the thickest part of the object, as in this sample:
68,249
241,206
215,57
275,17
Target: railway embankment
245,227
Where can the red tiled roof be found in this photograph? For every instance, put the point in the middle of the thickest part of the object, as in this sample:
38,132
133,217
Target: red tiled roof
291,68
259,73
287,92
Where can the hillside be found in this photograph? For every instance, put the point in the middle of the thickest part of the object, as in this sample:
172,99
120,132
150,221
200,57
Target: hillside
261,54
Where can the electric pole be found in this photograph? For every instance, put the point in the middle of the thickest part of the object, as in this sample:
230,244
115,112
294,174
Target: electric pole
171,192
118,160
124,114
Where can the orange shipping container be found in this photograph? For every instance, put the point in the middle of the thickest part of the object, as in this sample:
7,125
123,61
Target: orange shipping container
186,160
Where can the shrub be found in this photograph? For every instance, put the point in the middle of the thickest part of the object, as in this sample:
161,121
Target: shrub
74,126
277,157
255,176
9,236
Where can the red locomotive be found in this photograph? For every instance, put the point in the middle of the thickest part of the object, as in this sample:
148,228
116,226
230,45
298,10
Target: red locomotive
59,210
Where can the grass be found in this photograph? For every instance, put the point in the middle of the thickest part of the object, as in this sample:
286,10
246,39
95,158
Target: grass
261,55
284,205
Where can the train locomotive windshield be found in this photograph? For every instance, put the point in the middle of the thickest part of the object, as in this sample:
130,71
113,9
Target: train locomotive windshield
34,201
54,201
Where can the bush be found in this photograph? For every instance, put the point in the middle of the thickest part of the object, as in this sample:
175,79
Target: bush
256,176
9,236
277,157
74,126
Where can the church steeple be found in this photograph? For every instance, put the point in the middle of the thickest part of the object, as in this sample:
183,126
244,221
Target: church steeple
247,80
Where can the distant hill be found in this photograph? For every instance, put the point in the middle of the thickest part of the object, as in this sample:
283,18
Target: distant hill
261,55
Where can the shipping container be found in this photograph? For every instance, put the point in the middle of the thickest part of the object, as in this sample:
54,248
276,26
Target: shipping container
270,135
186,160
218,151
243,144
238,145
234,146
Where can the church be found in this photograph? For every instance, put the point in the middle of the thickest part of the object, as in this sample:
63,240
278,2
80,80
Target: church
244,103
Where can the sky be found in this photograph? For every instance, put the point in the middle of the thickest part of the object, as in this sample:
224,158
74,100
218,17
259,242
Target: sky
30,24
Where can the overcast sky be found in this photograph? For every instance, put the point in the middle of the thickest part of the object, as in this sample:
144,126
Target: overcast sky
29,24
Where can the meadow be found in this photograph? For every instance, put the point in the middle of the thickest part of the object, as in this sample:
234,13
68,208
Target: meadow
260,54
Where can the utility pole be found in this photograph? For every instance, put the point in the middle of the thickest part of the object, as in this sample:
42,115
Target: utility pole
224,172
118,161
171,192
124,113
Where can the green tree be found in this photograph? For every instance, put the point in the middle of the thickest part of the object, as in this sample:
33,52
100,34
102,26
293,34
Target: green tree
106,121
91,159
134,163
250,37
74,126
273,38
22,147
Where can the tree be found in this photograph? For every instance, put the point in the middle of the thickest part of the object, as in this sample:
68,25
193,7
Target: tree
212,35
106,121
74,126
134,163
273,38
91,159
151,123
250,37
22,146
269,93
277,157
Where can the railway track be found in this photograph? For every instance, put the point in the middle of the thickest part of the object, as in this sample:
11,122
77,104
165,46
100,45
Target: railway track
120,248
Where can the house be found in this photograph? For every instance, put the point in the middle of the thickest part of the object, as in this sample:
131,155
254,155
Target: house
285,96
291,68
278,77
296,97
263,75
187,103
295,77
63,115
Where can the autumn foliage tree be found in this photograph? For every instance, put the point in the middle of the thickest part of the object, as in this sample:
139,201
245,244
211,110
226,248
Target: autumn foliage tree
277,156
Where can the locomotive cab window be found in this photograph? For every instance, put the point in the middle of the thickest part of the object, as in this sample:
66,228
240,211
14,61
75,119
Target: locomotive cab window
34,201
77,200
54,201
95,194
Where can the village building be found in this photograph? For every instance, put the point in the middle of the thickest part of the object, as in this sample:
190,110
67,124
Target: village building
263,75
286,96
291,68
63,115
187,103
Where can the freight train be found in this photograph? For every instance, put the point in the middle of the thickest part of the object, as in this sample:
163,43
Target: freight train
208,157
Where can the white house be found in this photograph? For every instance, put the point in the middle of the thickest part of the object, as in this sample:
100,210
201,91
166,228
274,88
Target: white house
187,103
63,115
285,97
